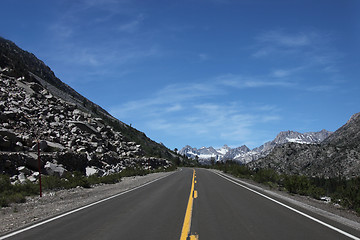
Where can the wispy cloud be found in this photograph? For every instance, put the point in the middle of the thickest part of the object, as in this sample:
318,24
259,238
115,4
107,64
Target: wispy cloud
82,39
282,73
133,25
193,111
229,122
278,37
171,98
296,57
321,88
203,56
62,31
242,82
284,43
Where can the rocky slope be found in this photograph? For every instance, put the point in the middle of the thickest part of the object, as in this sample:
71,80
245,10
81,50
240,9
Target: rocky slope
74,134
244,155
25,64
337,156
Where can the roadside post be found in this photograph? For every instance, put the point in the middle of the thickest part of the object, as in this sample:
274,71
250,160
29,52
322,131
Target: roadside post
39,165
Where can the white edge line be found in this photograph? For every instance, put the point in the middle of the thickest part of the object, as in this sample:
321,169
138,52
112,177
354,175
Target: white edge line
292,209
79,209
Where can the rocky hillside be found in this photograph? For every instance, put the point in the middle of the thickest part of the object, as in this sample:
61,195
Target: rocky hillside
74,133
337,156
348,135
24,64
244,155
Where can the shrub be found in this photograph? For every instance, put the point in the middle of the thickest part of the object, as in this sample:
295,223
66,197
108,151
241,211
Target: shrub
5,182
14,193
266,175
3,201
51,183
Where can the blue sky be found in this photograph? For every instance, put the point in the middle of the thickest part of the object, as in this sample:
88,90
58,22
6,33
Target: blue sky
201,72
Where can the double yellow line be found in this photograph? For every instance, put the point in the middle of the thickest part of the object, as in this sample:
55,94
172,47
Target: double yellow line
187,221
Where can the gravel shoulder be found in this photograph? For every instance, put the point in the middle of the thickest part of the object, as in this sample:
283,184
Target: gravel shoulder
54,203
329,210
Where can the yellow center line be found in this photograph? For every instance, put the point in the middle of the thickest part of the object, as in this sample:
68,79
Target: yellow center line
187,221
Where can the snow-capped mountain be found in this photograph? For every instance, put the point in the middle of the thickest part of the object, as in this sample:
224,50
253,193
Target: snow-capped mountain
292,136
204,154
244,155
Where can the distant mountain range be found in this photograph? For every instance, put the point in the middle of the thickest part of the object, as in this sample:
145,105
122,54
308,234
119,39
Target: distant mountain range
336,156
244,155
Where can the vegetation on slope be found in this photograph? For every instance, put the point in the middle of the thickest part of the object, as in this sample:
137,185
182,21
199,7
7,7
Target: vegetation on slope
17,193
345,192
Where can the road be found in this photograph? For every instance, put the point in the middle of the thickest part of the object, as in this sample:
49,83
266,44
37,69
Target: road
213,207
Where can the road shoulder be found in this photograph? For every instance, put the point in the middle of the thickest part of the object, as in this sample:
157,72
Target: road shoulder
328,210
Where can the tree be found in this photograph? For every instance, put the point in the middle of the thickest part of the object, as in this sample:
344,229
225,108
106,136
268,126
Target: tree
212,161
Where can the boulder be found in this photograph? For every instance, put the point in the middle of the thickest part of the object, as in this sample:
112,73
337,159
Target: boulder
22,178
32,179
12,137
8,115
99,150
5,144
110,157
7,163
54,169
31,161
54,147
50,97
85,127
76,112
36,87
47,146
73,161
19,146
91,171
42,145
26,139
24,170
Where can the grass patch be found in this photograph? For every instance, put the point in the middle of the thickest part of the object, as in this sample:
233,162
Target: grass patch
17,193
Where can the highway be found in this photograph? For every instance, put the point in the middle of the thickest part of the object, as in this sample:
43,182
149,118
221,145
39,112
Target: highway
189,204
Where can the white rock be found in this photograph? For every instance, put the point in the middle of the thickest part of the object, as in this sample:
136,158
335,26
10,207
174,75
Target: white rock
21,177
90,171
54,169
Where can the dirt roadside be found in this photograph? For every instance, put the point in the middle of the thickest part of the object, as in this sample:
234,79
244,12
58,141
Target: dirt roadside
57,202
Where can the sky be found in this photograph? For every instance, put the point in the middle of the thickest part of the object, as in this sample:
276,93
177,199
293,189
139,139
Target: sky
201,72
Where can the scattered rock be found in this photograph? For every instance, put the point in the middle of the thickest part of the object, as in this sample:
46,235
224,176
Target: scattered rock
54,169
71,140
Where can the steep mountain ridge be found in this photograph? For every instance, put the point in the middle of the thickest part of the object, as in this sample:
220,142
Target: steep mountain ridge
244,155
21,63
337,156
348,135
75,134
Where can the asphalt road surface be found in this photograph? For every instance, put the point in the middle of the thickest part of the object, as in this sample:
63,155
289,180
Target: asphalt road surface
218,208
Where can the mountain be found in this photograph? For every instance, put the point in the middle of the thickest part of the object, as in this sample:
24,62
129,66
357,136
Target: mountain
25,64
347,135
244,155
204,154
75,134
290,137
337,156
